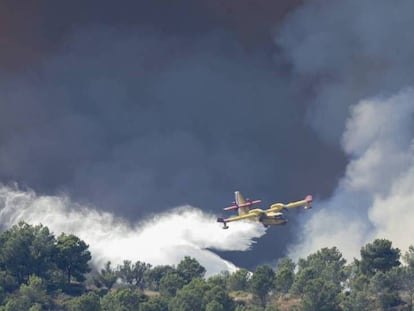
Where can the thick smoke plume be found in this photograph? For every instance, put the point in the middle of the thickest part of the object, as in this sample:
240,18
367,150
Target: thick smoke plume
160,239
375,197
354,58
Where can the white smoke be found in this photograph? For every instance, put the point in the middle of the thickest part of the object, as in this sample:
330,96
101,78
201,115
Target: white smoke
349,51
375,198
161,239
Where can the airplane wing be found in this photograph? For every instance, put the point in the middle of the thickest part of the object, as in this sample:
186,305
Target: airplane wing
237,218
241,217
236,206
277,207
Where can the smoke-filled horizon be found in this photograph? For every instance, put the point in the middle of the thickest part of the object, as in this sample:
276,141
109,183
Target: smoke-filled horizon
138,108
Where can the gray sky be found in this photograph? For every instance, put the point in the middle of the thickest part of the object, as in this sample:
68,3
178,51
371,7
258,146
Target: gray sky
154,104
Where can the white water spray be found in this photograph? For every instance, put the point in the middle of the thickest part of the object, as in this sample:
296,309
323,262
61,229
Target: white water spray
162,239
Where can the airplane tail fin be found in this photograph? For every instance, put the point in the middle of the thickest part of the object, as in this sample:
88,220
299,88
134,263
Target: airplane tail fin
238,198
242,205
241,202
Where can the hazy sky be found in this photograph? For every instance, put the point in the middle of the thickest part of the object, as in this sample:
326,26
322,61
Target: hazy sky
148,105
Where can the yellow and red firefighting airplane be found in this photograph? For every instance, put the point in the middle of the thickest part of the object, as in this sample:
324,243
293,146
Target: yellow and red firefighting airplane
271,216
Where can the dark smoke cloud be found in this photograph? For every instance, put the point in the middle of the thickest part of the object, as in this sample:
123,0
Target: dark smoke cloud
136,111
34,30
21,40
346,51
253,21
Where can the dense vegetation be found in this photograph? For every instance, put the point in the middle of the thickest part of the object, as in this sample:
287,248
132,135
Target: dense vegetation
39,271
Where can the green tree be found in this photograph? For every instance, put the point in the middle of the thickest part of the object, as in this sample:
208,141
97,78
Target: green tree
319,279
220,296
124,299
170,284
190,268
2,295
238,280
385,285
220,279
405,276
406,282
214,306
357,300
86,302
35,290
7,281
357,297
378,256
248,308
262,282
27,250
42,251
107,277
18,303
154,275
154,304
73,257
190,297
327,264
32,296
285,274
133,274
320,295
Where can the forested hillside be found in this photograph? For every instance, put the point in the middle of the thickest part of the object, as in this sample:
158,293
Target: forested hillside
41,271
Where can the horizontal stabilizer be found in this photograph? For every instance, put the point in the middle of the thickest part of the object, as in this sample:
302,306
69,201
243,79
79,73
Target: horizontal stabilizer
246,204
